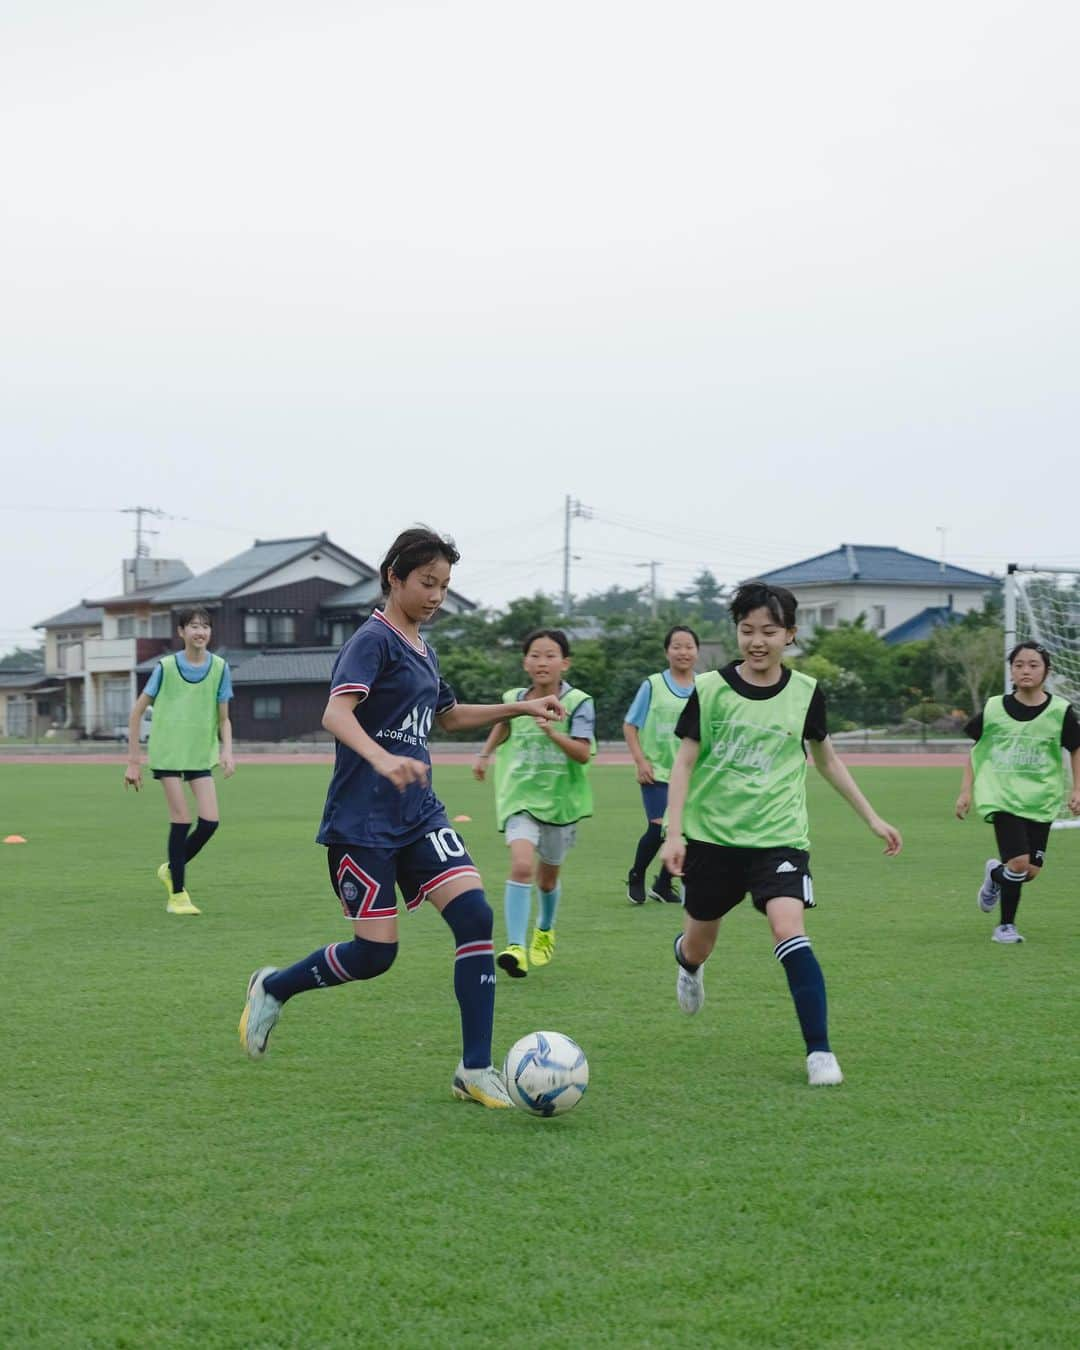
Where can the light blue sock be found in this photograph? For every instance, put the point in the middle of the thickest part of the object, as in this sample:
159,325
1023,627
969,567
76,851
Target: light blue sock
549,903
517,901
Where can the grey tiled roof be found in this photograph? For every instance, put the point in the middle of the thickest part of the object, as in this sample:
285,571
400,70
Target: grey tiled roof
264,556
360,597
294,665
875,563
22,679
77,616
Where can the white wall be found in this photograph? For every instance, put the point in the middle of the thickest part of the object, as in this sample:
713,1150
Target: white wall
900,602
327,567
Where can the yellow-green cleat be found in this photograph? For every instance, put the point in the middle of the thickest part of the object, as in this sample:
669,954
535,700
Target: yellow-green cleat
179,902
542,946
514,961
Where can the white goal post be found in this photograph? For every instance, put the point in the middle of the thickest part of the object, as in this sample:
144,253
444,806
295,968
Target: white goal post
1043,603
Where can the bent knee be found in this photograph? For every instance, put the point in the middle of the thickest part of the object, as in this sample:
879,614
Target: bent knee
521,874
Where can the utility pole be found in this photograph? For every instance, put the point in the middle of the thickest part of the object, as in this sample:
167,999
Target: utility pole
573,508
942,530
652,565
142,549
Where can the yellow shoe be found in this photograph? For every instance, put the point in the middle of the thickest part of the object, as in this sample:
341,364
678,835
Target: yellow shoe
165,877
180,903
514,961
542,946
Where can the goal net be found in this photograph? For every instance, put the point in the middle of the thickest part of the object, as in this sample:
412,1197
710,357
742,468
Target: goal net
1043,603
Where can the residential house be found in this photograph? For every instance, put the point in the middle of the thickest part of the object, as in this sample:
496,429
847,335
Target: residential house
30,702
280,611
902,595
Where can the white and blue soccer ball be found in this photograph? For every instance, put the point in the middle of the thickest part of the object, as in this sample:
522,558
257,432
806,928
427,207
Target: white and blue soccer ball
546,1073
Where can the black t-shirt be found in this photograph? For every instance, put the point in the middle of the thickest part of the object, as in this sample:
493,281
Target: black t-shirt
815,728
1023,712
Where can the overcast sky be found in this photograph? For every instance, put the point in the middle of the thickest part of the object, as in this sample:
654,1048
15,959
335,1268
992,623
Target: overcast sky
748,280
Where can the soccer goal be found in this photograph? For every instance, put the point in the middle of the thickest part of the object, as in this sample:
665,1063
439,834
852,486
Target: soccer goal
1043,603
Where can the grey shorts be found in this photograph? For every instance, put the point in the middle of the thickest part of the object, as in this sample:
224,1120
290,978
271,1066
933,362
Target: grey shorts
552,842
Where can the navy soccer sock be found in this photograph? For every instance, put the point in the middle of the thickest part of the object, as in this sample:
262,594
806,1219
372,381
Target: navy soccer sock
807,985
470,920
177,855
647,847
339,963
1010,883
198,837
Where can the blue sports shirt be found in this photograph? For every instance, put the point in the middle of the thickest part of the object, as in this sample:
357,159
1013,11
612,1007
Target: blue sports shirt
639,709
401,693
193,675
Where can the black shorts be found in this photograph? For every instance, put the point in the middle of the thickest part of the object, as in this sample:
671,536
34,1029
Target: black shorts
186,774
1017,835
716,878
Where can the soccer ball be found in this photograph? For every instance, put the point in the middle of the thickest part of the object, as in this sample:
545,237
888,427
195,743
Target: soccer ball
546,1073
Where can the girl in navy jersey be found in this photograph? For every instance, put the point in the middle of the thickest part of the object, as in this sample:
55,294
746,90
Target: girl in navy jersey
383,825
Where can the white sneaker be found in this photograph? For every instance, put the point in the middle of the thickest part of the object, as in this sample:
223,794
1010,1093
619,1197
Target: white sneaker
822,1070
689,988
1005,932
260,1015
989,891
485,1086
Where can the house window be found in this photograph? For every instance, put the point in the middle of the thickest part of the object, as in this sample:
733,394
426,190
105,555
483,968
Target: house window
125,627
282,628
340,632
809,619
879,617
267,709
18,715
161,625
256,628
828,616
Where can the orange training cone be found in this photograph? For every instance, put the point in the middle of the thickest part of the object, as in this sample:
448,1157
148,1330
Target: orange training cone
14,839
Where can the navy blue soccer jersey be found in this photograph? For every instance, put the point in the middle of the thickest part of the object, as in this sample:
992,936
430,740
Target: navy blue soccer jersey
401,693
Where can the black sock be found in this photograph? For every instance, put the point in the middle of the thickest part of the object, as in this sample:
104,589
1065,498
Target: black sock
1010,893
177,855
807,985
647,848
199,836
679,957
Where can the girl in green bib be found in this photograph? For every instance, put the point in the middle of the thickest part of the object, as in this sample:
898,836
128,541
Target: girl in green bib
190,733
738,794
649,731
1017,777
542,790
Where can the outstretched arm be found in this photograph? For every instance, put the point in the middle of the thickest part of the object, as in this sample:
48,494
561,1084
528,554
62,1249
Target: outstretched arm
673,853
339,721
133,772
469,716
496,736
963,802
835,773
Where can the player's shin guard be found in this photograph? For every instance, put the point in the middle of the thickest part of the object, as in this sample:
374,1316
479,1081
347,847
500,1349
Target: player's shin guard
807,985
340,963
199,836
549,907
517,902
648,847
470,919
1010,883
177,855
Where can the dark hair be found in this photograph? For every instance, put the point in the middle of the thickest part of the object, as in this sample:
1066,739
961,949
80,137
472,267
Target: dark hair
555,634
680,628
1035,647
414,548
752,595
192,612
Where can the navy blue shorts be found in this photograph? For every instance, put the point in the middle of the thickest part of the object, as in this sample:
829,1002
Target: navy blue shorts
654,800
364,878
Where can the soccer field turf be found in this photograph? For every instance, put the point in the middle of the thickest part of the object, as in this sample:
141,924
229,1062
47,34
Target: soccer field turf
159,1189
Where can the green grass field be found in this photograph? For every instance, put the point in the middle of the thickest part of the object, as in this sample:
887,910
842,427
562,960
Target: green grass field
160,1190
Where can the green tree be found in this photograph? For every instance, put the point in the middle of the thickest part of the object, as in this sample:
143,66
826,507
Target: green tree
24,658
975,655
